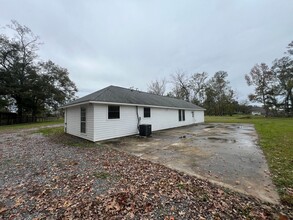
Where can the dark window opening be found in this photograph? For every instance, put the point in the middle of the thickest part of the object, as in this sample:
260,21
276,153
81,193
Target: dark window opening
181,115
147,112
192,113
83,120
113,111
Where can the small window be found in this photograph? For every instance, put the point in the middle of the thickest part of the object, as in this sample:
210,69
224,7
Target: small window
192,113
147,112
83,120
113,111
181,115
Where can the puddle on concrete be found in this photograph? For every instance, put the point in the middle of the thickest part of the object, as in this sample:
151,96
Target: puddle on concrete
221,140
210,126
226,154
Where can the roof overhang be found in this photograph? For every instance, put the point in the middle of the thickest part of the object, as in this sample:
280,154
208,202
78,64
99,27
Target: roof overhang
128,104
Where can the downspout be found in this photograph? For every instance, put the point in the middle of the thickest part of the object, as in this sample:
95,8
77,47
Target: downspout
138,118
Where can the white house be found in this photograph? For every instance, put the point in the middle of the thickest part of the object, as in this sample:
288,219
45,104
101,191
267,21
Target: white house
116,112
256,110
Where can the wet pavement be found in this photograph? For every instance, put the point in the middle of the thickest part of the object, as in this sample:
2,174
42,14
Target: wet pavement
226,154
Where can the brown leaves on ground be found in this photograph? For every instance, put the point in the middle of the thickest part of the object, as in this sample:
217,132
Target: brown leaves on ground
42,179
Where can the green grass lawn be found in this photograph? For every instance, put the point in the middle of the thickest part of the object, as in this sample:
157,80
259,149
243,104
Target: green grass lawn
30,125
276,140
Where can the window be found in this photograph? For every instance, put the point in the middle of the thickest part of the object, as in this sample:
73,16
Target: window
192,113
147,112
181,114
113,111
82,120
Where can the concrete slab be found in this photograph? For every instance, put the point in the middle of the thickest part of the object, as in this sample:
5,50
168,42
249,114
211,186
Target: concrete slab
226,154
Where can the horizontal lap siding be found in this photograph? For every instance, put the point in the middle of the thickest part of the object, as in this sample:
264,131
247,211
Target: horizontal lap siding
99,127
73,122
168,118
199,116
111,128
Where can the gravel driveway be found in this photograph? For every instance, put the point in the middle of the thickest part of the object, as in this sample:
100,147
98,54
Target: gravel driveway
47,178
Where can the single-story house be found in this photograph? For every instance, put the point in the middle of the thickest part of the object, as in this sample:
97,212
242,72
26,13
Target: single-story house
255,110
116,112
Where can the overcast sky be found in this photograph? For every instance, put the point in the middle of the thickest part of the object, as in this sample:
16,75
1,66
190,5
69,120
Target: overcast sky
130,43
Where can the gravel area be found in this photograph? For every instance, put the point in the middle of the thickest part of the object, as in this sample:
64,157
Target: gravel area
44,178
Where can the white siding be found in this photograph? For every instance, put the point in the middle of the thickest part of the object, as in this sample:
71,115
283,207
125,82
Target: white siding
199,116
72,121
168,118
99,127
105,128
111,128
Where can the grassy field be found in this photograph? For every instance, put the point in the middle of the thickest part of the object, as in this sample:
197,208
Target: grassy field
30,125
276,140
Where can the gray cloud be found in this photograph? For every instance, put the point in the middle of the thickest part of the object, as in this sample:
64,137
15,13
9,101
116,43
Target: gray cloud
130,43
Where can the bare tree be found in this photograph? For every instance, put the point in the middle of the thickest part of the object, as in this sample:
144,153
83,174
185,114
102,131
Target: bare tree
181,82
157,87
290,48
197,85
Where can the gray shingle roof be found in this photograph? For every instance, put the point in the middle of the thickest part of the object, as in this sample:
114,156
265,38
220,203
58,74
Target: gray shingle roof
115,94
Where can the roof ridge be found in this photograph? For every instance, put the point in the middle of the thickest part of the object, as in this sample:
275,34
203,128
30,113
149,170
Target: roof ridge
105,89
165,96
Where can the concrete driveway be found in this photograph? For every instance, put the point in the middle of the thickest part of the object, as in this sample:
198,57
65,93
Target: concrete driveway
226,154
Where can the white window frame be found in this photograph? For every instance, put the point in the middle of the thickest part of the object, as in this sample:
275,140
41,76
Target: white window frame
83,120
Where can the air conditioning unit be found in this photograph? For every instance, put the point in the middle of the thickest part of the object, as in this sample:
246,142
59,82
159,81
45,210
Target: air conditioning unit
145,130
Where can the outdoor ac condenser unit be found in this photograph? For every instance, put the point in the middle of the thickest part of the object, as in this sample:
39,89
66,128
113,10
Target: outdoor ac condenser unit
145,130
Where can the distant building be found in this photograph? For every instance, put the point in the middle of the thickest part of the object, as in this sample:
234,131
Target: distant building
256,110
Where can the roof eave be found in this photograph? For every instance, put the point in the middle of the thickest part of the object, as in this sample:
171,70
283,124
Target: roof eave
74,104
130,104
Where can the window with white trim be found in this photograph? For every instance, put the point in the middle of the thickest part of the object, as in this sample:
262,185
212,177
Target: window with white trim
181,115
146,112
82,120
113,111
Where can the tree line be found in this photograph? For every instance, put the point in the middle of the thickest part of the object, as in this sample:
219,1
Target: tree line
28,84
213,93
272,88
34,87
